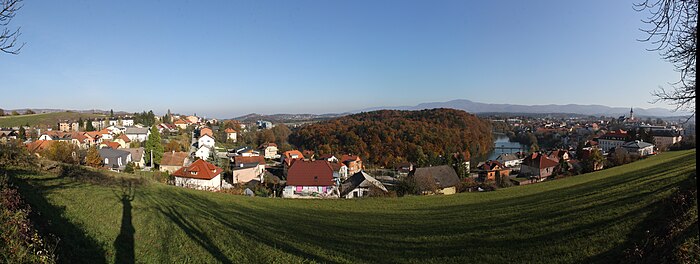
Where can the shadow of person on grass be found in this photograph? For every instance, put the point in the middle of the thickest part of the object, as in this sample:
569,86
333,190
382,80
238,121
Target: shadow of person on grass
124,244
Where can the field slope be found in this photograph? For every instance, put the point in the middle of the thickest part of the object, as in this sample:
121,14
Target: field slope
48,119
587,218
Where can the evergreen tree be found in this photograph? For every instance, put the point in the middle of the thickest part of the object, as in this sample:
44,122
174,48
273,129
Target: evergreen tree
22,133
88,126
111,113
93,158
2,112
153,144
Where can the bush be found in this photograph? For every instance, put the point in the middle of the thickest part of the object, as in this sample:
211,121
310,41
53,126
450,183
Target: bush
13,153
129,168
407,186
19,240
467,185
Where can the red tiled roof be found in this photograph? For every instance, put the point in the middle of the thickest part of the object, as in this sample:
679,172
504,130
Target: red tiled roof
265,145
345,158
230,130
288,156
310,173
539,160
125,138
241,159
173,158
492,165
39,145
199,169
206,131
113,145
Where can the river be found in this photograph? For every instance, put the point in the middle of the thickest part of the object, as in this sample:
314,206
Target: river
500,142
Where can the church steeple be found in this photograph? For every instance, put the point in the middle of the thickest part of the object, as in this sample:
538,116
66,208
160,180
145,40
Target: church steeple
631,113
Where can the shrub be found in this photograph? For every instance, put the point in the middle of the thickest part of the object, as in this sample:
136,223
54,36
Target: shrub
129,168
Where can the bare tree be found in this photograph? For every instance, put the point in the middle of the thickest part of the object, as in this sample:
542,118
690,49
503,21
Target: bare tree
673,33
8,37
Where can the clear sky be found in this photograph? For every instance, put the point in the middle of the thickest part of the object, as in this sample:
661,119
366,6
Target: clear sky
228,58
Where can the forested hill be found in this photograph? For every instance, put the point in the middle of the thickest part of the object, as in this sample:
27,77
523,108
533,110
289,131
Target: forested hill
388,137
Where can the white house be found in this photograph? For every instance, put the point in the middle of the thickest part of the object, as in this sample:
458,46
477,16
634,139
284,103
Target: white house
139,134
206,141
203,152
359,185
200,175
231,134
509,160
612,140
127,122
639,148
269,150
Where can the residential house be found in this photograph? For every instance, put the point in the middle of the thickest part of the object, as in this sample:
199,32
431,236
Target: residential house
137,156
353,162
200,175
288,157
68,126
559,154
37,147
203,152
329,157
340,171
436,179
137,134
98,124
360,185
181,124
664,138
127,122
492,170
192,119
206,141
269,150
509,160
167,128
638,148
173,161
310,179
612,139
538,166
308,154
6,135
109,144
247,169
231,135
114,159
123,141
246,152
206,131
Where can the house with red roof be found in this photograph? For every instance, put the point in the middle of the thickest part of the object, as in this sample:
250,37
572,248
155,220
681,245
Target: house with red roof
612,139
538,165
181,124
353,162
310,179
269,150
288,157
199,175
492,170
231,134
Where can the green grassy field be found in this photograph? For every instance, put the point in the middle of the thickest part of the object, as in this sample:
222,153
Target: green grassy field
589,218
49,119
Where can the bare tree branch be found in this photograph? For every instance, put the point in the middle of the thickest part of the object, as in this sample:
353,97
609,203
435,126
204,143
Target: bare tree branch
673,32
8,38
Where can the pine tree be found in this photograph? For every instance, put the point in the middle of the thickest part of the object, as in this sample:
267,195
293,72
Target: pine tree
88,126
111,113
93,158
153,144
22,133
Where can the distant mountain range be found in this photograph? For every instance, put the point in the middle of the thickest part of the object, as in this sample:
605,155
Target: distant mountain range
594,110
41,110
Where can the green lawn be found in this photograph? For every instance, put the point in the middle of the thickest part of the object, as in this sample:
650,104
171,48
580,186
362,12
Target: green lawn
587,218
49,119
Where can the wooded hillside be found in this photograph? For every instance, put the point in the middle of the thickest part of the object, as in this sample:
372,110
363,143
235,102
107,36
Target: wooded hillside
388,137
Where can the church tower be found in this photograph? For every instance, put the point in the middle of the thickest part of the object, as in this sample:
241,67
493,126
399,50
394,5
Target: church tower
631,114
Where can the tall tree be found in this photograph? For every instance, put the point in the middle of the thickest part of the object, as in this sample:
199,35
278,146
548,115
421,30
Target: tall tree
673,32
88,126
153,144
111,112
8,37
22,133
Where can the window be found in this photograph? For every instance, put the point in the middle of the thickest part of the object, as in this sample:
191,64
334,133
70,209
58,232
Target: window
106,160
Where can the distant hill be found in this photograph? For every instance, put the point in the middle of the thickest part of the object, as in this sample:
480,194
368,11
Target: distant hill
286,118
43,119
50,110
476,107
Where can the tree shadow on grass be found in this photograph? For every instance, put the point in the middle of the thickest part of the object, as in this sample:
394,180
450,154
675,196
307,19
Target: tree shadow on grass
74,245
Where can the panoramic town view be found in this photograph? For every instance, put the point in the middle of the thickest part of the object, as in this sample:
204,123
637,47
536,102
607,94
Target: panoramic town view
348,132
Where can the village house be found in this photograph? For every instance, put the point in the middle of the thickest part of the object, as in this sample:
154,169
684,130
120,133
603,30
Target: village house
203,152
612,139
173,161
205,141
246,169
192,119
114,159
137,156
164,128
310,179
492,170
109,144
231,135
509,160
638,148
288,157
200,175
206,131
137,134
340,171
664,138
329,157
436,179
68,126
269,150
559,154
181,124
360,185
246,152
122,140
38,147
538,166
353,162
127,122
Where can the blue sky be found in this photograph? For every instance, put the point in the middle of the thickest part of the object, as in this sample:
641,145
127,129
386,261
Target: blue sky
228,58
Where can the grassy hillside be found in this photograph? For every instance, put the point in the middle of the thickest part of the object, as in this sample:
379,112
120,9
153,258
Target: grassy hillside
49,119
587,218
